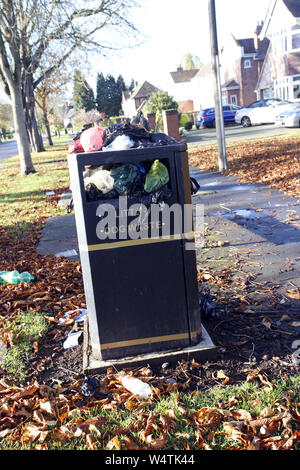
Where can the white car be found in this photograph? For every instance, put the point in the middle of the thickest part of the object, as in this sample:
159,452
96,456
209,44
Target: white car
290,118
261,112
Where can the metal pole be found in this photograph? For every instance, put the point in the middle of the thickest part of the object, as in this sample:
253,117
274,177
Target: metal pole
219,118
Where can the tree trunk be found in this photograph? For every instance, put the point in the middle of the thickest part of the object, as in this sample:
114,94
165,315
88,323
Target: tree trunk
31,122
47,125
20,129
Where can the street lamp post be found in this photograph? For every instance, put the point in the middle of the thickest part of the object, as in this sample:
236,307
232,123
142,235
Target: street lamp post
219,118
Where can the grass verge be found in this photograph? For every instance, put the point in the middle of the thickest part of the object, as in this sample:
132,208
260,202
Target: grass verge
271,161
26,330
255,414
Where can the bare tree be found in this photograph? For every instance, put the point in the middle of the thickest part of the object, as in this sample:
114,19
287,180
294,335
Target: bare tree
31,30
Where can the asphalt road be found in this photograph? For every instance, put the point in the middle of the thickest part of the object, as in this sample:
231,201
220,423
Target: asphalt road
235,133
8,149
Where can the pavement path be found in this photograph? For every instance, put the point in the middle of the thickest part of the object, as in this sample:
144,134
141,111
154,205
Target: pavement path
261,225
7,150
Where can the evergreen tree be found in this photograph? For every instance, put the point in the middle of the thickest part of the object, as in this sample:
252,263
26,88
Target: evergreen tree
83,95
101,93
109,94
121,83
131,86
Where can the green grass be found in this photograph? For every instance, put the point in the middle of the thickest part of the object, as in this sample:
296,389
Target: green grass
247,396
23,200
51,153
25,328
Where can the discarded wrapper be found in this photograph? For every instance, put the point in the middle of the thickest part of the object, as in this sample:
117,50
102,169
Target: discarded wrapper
72,340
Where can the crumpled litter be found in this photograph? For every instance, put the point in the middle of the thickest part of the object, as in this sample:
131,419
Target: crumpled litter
156,177
139,135
102,179
75,146
140,121
92,139
122,142
14,277
90,387
127,178
66,254
79,318
207,306
72,339
94,194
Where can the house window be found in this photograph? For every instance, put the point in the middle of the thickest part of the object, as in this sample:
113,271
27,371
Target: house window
225,99
296,87
280,42
233,99
296,37
247,64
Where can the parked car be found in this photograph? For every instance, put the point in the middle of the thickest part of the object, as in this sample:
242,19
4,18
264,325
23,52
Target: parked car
206,117
260,112
289,118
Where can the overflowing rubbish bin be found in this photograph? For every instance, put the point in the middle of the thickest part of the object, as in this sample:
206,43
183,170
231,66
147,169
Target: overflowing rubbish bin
140,281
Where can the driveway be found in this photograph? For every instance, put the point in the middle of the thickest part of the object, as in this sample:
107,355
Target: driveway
236,133
8,149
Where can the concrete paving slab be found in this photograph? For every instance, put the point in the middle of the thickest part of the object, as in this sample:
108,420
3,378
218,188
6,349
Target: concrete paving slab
58,236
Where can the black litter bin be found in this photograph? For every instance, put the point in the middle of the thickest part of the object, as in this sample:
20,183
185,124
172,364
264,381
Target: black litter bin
141,293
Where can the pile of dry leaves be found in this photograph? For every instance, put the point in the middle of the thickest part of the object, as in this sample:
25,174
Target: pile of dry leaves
275,162
38,414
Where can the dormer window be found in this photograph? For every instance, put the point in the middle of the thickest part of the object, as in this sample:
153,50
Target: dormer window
286,40
247,64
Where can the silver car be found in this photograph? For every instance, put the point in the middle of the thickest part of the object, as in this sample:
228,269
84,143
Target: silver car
260,112
290,118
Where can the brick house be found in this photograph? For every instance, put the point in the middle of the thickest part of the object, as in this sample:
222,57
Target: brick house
280,74
242,61
241,64
133,101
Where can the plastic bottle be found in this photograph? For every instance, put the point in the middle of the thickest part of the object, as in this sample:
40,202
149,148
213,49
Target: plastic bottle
14,277
26,277
136,386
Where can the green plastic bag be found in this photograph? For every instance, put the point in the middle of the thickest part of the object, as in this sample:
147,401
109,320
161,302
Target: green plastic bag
126,178
156,177
14,277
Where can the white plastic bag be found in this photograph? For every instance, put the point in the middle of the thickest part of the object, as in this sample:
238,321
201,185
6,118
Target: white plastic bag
122,142
101,179
138,388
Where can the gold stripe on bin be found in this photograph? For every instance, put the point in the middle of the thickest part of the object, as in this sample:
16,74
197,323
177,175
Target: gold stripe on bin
139,241
155,339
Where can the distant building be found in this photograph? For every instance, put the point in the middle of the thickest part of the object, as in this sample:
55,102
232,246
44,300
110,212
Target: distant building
181,88
242,61
280,74
133,101
203,88
260,67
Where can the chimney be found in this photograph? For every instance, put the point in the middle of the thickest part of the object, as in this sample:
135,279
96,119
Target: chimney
257,32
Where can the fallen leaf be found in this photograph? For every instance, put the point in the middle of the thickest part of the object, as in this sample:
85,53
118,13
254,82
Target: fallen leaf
90,442
267,322
114,443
